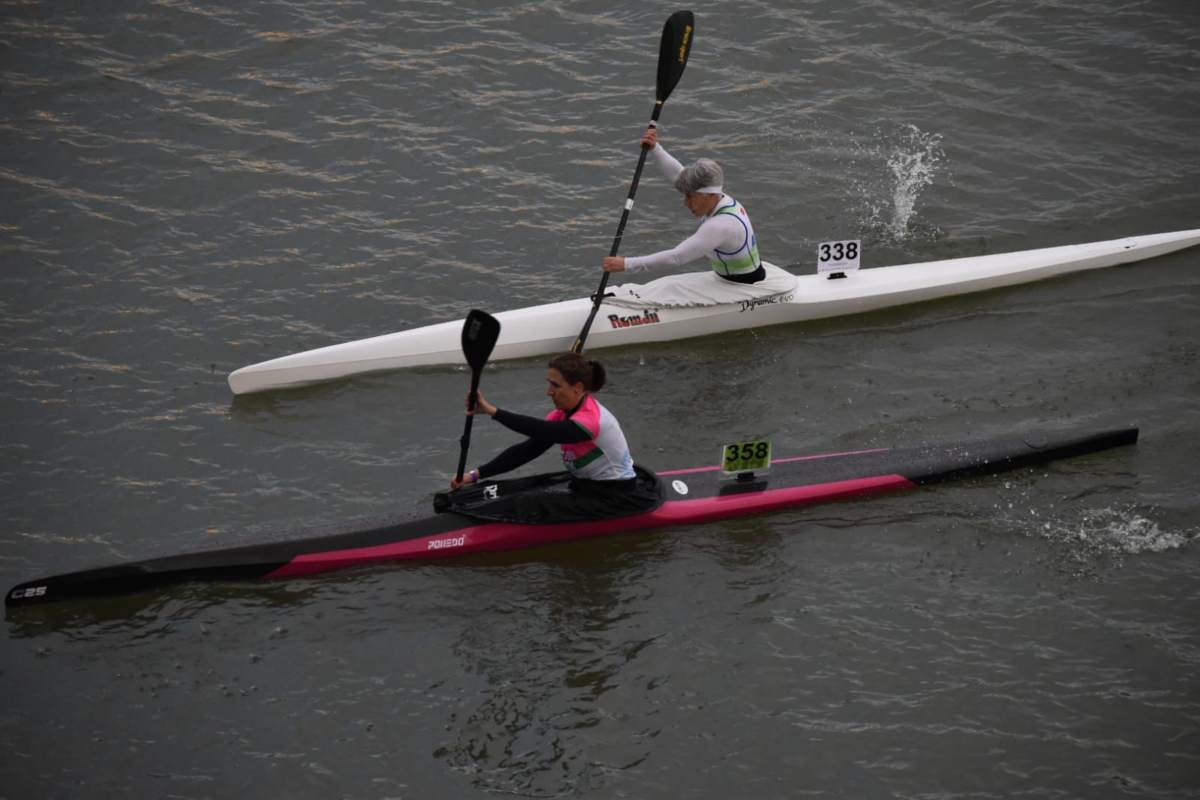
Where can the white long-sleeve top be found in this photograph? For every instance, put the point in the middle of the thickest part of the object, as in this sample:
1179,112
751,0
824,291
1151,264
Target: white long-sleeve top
719,232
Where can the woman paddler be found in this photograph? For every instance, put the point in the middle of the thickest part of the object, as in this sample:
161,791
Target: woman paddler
594,451
725,236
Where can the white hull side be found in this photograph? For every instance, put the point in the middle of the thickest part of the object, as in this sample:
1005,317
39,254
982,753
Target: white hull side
552,328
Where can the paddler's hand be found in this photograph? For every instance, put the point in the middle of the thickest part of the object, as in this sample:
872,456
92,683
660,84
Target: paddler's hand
481,404
614,264
470,477
650,138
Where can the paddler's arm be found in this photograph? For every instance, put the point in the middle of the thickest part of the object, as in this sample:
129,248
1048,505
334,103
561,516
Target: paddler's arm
714,233
542,435
514,457
542,430
667,163
562,431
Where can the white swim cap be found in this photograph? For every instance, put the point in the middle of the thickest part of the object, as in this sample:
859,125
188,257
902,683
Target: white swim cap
704,176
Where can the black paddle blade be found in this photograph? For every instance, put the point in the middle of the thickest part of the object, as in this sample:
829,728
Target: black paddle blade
673,52
479,335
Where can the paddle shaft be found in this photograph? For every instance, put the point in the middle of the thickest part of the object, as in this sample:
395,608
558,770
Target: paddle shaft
616,245
673,50
465,441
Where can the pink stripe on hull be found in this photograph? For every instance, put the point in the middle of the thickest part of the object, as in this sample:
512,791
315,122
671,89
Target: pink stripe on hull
708,509
493,536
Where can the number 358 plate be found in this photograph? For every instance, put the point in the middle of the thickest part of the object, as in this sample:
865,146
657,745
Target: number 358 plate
746,457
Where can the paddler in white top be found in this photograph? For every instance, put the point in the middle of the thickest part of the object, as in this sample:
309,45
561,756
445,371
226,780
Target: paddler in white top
725,237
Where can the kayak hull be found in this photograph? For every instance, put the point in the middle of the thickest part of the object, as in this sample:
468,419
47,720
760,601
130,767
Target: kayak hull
552,328
691,496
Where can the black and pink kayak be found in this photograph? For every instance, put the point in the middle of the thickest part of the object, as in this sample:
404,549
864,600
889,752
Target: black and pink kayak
677,497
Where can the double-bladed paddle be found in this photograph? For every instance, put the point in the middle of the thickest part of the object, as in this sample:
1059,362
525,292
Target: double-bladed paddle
479,334
672,58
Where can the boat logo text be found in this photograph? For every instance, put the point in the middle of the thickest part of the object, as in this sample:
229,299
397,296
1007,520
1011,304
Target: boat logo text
750,305
439,544
648,318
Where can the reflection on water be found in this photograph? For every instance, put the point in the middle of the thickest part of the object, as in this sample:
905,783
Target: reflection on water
541,725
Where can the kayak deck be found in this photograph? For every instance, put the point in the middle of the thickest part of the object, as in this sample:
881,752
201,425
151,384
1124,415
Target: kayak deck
692,496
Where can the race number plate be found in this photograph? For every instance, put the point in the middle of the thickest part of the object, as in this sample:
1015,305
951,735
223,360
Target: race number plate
746,457
839,256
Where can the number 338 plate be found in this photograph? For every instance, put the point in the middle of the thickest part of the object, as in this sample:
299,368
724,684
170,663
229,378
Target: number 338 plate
839,256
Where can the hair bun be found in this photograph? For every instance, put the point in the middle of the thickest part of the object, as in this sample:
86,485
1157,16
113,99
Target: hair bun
599,376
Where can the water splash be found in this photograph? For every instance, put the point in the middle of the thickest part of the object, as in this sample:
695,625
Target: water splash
898,166
1084,542
1115,532
913,166
1086,545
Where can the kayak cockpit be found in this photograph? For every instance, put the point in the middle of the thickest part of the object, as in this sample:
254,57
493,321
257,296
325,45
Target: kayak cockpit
553,498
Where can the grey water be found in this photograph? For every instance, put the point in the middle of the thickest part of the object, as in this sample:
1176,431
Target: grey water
187,187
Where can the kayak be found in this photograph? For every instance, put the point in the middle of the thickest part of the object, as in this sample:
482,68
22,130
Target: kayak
553,327
684,496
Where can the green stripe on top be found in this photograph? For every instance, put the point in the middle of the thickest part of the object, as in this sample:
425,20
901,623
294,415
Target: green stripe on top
741,265
591,456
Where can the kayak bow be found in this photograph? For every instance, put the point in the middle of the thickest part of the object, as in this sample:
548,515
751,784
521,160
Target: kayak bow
552,328
690,496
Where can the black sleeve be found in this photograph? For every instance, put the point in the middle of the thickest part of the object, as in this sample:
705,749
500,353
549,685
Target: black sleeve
518,455
561,432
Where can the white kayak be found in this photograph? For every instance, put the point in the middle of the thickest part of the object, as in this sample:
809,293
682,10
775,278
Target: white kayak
553,327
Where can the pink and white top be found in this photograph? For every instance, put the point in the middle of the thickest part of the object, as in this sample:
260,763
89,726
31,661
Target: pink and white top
605,455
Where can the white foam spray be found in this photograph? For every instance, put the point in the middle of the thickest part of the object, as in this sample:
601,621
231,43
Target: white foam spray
913,164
